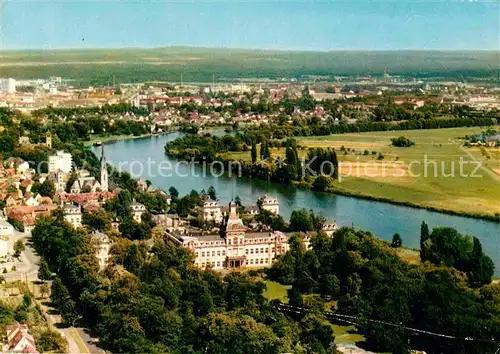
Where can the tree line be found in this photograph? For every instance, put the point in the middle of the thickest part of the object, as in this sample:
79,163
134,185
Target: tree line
366,278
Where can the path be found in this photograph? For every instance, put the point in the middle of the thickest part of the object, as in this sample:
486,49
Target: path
482,166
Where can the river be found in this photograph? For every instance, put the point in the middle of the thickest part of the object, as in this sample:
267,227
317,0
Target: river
381,219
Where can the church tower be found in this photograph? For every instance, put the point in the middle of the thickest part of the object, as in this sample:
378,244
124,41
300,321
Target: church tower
104,172
48,140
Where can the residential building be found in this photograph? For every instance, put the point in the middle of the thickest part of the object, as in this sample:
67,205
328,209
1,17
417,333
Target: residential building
329,227
270,203
212,211
27,215
19,164
85,185
103,245
61,161
6,229
19,340
137,209
73,215
4,246
58,177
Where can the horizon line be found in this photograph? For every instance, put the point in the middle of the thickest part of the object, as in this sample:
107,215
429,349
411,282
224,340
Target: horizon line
249,49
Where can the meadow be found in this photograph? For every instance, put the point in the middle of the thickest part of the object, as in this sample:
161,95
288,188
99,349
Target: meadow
429,174
101,66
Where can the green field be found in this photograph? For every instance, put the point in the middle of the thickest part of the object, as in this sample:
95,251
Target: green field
276,291
200,64
403,176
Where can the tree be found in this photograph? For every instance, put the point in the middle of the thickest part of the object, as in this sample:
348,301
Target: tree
318,334
51,341
44,290
44,272
212,193
72,178
18,248
424,236
295,297
396,241
58,293
265,153
16,224
68,312
254,153
402,142
237,201
481,266
300,220
47,189
174,193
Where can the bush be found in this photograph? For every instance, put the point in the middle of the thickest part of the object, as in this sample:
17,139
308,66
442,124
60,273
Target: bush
402,142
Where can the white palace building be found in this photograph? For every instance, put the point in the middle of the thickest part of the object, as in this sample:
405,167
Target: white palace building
235,247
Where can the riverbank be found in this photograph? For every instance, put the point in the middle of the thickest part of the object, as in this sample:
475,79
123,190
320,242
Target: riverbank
114,138
436,174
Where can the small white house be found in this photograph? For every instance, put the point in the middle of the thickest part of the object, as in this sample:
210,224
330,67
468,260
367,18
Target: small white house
137,209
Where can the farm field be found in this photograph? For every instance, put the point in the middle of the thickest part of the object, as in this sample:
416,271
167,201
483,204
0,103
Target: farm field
428,174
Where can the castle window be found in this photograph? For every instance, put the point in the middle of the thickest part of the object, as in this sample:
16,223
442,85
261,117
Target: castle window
203,254
223,253
267,249
246,251
251,250
218,253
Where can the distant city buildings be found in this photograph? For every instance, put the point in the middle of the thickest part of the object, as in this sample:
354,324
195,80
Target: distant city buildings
8,85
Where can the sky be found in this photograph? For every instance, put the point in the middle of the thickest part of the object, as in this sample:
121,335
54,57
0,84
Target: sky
286,25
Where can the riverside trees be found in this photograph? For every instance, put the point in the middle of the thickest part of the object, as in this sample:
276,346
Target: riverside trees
367,279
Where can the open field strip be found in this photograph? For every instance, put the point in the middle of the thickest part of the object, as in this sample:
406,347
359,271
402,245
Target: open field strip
435,173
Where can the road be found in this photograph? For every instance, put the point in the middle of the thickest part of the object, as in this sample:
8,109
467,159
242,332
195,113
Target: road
27,267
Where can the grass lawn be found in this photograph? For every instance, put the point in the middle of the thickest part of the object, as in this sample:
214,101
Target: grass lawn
427,174
276,291
408,255
346,334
